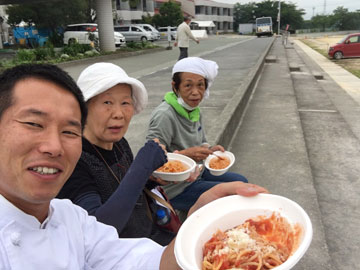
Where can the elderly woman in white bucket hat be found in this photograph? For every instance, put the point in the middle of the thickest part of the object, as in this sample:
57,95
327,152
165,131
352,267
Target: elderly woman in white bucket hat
107,181
177,123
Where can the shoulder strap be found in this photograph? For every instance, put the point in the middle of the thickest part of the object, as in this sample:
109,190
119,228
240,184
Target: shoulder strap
159,199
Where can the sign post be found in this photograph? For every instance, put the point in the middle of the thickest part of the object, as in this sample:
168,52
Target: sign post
169,47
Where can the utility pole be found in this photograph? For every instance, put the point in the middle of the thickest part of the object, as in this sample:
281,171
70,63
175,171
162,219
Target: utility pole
278,18
324,7
313,11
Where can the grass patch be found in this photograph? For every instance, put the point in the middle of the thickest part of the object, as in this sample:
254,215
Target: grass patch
352,65
314,46
356,72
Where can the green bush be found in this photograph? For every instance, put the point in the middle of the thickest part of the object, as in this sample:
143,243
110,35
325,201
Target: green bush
25,55
75,49
139,45
45,53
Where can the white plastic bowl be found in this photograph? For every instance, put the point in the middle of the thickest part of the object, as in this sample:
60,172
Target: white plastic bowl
222,154
180,176
228,212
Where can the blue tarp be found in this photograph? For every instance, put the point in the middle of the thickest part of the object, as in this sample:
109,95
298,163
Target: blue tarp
31,35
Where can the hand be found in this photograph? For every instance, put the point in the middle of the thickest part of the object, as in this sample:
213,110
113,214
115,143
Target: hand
160,181
195,174
226,189
217,148
197,153
175,44
197,41
161,145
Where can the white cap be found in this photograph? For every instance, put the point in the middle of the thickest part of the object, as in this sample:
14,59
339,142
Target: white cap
206,68
100,77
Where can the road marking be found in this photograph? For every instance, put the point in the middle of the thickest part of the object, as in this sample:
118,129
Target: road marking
152,70
312,110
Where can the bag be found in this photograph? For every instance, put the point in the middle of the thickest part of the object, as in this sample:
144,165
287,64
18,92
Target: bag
163,203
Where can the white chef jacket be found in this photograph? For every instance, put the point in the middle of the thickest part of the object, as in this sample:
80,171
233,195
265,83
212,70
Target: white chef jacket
68,239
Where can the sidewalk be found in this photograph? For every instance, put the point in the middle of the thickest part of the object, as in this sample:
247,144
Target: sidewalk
347,81
300,139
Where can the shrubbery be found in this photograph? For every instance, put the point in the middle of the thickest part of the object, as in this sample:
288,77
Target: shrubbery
71,52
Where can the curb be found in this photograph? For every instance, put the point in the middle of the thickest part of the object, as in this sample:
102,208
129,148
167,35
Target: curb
108,57
234,110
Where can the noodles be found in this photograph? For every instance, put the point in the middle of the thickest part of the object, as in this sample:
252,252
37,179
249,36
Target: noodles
218,164
173,166
258,244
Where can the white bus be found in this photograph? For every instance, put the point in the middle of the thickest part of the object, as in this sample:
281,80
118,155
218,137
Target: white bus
264,26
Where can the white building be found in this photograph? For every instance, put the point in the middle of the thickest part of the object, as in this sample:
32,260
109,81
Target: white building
210,15
125,14
207,11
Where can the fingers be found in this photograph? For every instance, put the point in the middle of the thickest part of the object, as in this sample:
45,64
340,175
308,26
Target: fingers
160,144
249,190
227,189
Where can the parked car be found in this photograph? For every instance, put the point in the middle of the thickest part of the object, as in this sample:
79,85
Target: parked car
134,33
164,32
348,46
148,27
79,33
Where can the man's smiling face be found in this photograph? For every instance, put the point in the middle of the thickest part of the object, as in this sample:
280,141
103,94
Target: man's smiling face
40,141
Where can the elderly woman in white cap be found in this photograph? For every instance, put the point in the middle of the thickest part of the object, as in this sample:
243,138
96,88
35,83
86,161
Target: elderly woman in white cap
177,123
107,181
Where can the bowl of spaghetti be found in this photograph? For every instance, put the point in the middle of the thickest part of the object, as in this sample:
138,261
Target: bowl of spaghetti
235,232
219,163
178,168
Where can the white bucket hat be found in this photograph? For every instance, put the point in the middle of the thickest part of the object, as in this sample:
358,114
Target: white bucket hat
100,77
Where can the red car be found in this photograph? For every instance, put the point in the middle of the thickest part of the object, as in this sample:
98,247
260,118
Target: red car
349,46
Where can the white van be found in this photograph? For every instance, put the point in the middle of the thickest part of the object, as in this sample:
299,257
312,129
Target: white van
133,33
148,27
164,32
79,33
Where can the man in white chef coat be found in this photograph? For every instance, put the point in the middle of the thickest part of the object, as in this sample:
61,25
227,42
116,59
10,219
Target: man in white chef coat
42,114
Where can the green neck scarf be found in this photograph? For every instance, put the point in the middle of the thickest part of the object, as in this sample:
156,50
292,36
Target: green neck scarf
171,99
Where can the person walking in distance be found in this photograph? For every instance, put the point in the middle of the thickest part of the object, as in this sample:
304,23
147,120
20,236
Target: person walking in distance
183,35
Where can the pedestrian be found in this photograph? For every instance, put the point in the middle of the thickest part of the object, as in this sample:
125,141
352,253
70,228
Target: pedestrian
42,114
178,123
107,181
183,34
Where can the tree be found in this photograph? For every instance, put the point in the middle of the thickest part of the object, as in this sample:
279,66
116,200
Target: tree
148,19
247,13
170,15
321,22
342,19
45,16
244,14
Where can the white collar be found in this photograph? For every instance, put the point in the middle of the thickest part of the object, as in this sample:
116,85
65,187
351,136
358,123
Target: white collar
10,212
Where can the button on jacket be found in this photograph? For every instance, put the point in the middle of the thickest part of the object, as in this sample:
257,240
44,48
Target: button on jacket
68,239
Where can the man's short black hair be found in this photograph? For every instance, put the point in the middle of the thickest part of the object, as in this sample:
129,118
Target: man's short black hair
186,18
47,72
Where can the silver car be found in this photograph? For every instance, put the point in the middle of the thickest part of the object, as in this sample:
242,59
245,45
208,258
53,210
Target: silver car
164,32
154,32
79,33
133,33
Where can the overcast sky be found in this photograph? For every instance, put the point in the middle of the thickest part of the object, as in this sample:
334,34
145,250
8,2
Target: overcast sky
311,7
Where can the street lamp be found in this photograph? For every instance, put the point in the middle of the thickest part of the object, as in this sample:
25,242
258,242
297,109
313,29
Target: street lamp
278,17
